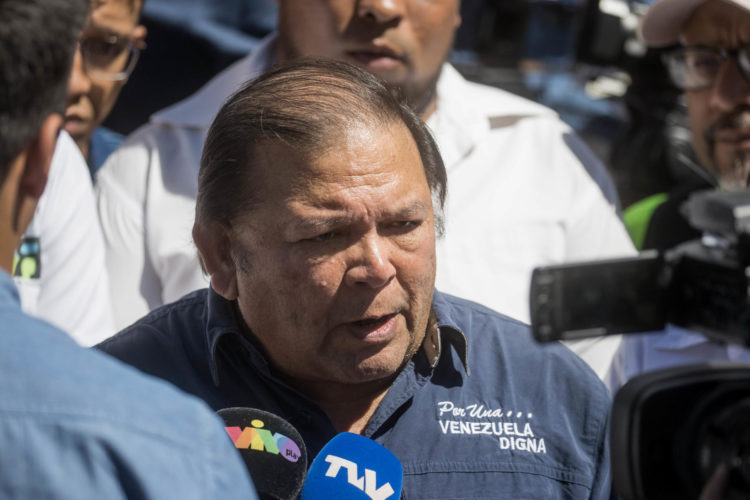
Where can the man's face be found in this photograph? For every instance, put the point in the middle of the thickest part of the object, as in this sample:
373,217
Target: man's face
720,115
336,263
90,98
404,42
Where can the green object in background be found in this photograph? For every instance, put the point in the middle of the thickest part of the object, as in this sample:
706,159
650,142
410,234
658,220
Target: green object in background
638,215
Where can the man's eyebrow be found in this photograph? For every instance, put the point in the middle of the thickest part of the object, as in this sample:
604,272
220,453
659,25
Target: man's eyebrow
95,29
322,223
412,209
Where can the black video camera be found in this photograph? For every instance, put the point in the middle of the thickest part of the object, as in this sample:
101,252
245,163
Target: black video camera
671,428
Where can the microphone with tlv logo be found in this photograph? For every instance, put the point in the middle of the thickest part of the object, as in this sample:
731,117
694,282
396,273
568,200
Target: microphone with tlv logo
351,466
272,449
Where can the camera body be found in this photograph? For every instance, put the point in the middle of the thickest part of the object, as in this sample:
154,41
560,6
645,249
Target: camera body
701,285
670,428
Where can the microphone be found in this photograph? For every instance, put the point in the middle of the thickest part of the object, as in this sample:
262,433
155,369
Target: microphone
273,451
351,466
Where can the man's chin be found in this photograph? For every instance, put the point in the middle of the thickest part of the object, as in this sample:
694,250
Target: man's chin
734,170
77,129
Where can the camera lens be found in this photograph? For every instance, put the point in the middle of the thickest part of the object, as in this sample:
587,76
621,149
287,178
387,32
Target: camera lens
722,437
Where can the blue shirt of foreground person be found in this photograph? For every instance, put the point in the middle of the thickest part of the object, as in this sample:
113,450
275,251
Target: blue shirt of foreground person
75,423
315,220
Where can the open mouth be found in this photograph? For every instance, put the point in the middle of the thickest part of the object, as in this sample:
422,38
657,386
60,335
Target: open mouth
373,322
376,329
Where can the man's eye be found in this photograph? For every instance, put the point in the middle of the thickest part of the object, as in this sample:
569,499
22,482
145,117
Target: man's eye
403,225
705,62
102,51
324,237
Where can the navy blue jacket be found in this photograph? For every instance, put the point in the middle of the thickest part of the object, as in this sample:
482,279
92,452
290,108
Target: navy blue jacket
529,421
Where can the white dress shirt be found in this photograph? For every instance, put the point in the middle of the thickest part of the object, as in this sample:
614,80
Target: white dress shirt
674,346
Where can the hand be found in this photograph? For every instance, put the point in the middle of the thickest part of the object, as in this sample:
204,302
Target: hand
715,488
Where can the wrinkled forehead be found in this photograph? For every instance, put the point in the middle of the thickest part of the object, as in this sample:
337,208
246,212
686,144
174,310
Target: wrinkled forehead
363,158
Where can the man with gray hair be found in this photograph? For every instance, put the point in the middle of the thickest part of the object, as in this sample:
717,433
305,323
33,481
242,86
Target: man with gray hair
318,200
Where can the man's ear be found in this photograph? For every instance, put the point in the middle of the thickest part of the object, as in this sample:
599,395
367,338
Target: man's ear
139,36
35,171
214,246
39,157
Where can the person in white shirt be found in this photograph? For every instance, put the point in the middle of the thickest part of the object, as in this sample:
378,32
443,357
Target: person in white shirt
712,66
523,190
59,268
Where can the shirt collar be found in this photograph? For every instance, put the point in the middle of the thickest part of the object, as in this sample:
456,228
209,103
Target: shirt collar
199,110
456,127
466,113
223,318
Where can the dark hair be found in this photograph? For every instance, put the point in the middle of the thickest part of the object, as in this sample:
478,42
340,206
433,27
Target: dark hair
305,104
37,42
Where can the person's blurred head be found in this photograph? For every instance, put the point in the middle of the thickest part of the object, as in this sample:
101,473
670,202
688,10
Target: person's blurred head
316,211
37,40
108,51
713,67
403,42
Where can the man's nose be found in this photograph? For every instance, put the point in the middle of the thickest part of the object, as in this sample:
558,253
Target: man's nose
371,263
79,83
730,89
381,11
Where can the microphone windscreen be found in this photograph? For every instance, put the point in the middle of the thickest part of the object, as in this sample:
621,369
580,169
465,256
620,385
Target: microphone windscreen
272,449
351,466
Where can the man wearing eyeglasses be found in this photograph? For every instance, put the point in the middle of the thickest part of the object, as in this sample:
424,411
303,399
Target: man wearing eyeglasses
108,51
712,64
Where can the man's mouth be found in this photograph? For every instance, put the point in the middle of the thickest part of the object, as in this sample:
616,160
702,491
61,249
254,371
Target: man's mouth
74,124
733,136
374,58
733,128
374,329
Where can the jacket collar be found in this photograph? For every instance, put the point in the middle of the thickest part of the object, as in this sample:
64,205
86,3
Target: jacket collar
224,319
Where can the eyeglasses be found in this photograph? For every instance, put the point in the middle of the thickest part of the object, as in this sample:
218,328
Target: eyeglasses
107,55
696,68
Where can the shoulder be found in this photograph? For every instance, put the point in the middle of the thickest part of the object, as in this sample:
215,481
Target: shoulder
113,428
88,384
487,100
166,342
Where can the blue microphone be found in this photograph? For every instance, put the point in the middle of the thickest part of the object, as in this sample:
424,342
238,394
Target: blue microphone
351,466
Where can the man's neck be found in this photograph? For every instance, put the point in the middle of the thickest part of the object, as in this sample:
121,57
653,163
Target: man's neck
85,146
348,406
427,105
